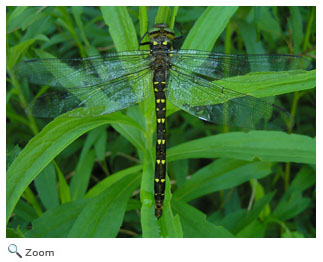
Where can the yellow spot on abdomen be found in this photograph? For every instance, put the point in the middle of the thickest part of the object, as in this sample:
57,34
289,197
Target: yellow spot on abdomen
157,101
158,162
157,180
159,141
156,83
158,120
154,43
162,180
163,163
163,120
165,43
163,141
162,100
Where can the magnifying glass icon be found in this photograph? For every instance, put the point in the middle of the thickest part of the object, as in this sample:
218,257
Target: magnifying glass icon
12,248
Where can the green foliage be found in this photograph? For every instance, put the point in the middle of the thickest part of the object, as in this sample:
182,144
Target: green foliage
93,177
199,36
264,145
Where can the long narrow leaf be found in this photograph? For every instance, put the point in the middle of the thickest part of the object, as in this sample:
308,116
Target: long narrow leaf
265,145
221,174
204,34
194,222
44,147
103,215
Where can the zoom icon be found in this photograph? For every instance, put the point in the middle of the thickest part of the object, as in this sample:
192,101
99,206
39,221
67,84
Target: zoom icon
12,248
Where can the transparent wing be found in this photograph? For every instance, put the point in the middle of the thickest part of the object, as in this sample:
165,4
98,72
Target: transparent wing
94,85
96,100
220,105
217,66
82,72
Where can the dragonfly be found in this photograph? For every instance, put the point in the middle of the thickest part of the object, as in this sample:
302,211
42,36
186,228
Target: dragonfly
189,79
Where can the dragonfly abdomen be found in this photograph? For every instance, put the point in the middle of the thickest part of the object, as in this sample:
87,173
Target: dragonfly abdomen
159,81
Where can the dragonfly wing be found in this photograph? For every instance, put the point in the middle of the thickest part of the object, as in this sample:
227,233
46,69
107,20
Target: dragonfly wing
220,105
94,100
215,66
82,72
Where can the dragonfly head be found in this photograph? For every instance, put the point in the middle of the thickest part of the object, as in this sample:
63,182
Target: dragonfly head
159,30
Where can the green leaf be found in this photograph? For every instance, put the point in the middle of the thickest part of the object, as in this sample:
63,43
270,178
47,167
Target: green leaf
44,147
64,190
296,26
171,22
249,37
58,221
267,22
133,135
46,187
107,182
304,179
32,199
232,201
11,233
121,27
293,234
11,155
25,211
163,15
91,140
143,21
204,33
77,12
103,215
180,170
238,220
148,219
259,193
16,51
255,229
293,203
16,13
271,83
194,222
264,145
81,178
100,145
22,17
133,204
219,175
